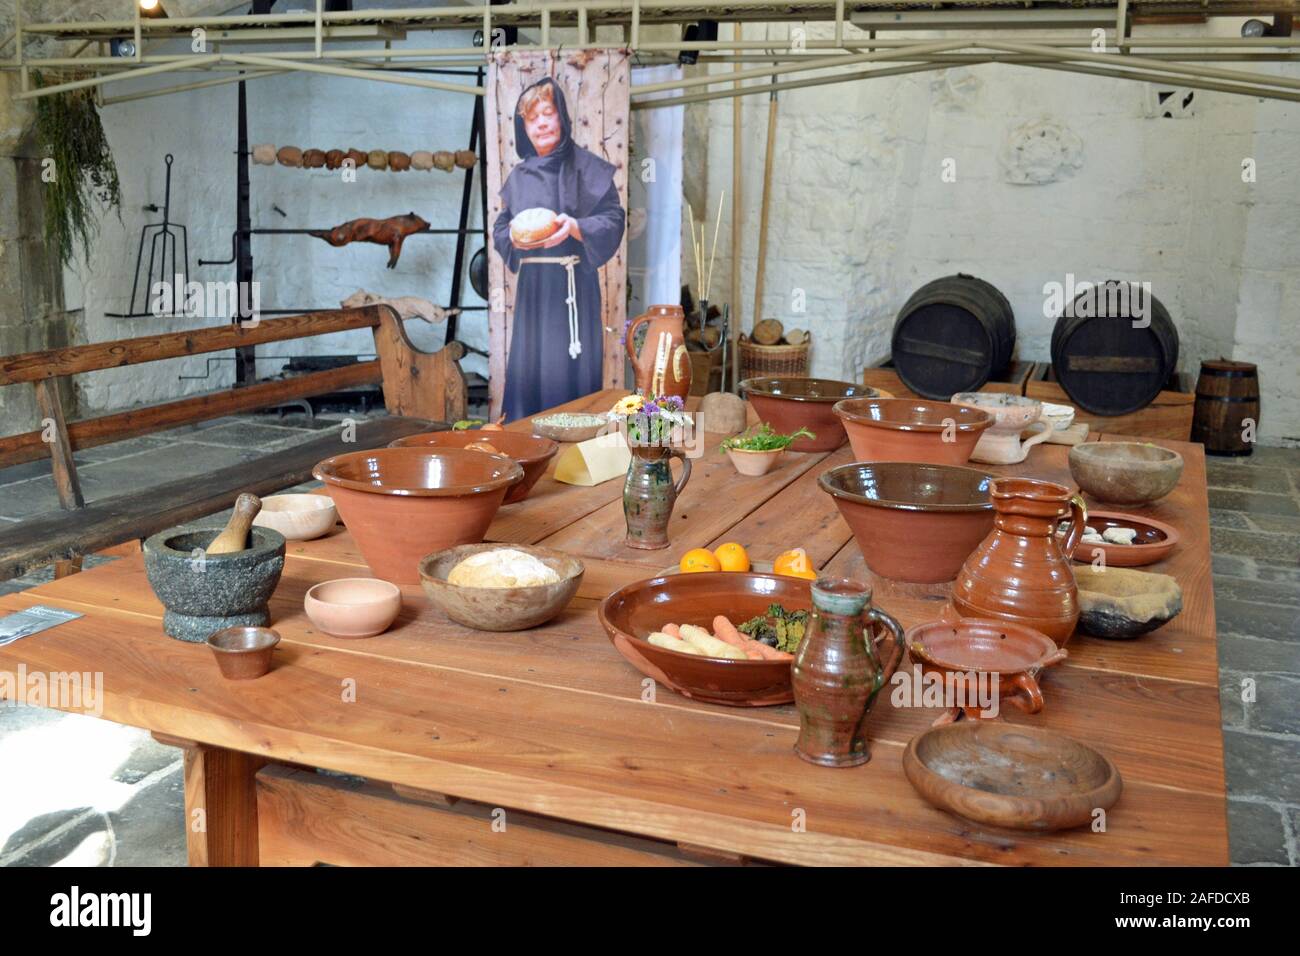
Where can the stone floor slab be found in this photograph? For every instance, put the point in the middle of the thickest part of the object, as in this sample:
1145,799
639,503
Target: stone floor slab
1256,833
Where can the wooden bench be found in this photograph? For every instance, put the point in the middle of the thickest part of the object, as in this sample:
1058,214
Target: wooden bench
419,388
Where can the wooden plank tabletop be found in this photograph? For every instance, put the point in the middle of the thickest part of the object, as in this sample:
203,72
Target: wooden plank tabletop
552,720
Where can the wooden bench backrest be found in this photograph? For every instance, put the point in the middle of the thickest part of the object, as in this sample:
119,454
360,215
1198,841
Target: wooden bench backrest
416,384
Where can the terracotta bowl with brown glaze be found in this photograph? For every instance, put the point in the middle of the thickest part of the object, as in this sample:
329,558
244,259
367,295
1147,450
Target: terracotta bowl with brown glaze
788,404
500,609
632,613
1154,541
1010,655
912,429
913,522
402,503
532,453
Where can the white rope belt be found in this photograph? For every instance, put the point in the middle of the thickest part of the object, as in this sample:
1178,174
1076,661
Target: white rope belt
575,343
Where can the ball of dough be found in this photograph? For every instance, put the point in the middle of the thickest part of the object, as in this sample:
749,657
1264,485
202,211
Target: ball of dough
501,568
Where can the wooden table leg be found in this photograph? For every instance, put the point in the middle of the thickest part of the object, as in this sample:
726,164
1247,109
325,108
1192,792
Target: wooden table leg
220,804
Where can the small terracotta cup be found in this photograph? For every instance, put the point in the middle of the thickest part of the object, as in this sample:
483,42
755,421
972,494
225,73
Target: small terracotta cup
353,607
755,463
243,653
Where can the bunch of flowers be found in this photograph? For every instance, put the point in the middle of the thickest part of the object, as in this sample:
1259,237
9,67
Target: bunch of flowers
650,421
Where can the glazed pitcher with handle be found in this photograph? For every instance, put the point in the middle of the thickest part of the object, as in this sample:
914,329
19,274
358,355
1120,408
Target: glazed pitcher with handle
663,366
649,493
1022,572
837,672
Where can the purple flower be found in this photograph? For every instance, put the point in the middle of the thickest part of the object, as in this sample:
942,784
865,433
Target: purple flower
675,403
651,408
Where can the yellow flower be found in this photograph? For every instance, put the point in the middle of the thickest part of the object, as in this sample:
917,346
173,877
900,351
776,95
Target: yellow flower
629,405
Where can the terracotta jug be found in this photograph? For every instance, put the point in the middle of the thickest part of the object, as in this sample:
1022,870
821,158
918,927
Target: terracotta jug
662,367
1022,572
649,493
837,673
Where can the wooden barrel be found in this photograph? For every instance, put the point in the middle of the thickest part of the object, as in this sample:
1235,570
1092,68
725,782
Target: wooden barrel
1106,363
953,335
1227,396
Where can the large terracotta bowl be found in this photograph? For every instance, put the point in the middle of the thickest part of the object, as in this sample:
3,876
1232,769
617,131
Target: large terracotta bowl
632,613
788,404
913,522
912,429
402,503
532,453
1125,472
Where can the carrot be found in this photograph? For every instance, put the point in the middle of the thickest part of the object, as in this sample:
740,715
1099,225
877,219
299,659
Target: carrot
752,652
724,630
772,654
672,630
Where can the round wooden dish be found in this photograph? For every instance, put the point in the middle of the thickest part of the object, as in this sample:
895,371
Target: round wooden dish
500,609
1011,776
1154,541
632,613
561,433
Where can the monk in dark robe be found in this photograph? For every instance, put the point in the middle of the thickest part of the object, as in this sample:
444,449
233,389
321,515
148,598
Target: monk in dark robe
555,354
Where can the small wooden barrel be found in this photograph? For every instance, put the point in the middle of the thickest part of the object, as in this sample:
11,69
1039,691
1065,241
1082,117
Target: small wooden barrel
1106,364
1227,401
953,335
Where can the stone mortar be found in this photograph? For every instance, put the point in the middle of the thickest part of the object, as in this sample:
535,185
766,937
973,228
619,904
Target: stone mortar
204,593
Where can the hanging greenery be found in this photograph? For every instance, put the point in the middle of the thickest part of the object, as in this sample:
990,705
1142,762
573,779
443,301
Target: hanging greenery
82,175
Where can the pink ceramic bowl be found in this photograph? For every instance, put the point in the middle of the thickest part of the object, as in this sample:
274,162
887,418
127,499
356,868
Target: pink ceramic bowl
353,607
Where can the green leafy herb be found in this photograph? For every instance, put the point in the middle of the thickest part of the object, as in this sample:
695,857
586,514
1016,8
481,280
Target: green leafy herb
762,438
778,628
465,425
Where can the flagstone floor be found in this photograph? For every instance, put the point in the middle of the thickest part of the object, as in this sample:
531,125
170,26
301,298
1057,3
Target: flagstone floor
114,797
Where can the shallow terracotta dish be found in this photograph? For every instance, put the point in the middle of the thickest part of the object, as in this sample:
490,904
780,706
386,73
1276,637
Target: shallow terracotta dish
401,503
632,613
912,522
1122,604
912,429
1010,655
1125,472
1154,541
532,453
500,609
788,404
353,607
243,653
545,428
998,774
298,517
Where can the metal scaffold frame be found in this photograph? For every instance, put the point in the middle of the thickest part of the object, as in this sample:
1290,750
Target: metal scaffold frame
1099,42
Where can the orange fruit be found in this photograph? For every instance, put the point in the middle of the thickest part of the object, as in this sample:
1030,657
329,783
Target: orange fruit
699,559
732,556
795,563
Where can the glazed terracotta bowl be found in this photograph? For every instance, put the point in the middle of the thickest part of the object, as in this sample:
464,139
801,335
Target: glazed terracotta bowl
243,653
1125,472
532,453
353,607
1010,655
632,613
500,609
912,429
298,517
402,503
788,404
912,522
1154,541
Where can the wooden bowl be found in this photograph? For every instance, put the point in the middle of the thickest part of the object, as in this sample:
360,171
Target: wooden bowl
500,609
576,433
401,502
353,607
632,613
533,454
1154,541
298,517
907,429
912,522
1011,776
1125,472
788,404
1122,604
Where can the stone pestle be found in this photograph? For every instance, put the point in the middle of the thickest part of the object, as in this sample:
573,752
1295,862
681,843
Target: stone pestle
234,537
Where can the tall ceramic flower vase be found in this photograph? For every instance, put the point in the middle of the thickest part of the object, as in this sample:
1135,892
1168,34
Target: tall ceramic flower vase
649,494
837,673
663,366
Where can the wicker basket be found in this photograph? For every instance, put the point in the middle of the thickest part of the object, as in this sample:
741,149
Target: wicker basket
761,361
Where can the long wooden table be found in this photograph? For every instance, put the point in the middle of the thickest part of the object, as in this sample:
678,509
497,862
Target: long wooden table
463,746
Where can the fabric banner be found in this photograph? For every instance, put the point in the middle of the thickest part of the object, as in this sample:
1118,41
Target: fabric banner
654,228
557,153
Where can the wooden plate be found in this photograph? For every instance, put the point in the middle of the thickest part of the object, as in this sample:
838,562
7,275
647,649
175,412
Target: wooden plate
1154,540
560,433
1012,776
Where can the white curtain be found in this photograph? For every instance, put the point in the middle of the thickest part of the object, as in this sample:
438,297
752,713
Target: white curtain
655,199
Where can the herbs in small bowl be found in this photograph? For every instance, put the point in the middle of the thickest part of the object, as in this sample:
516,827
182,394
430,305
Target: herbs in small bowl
757,450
